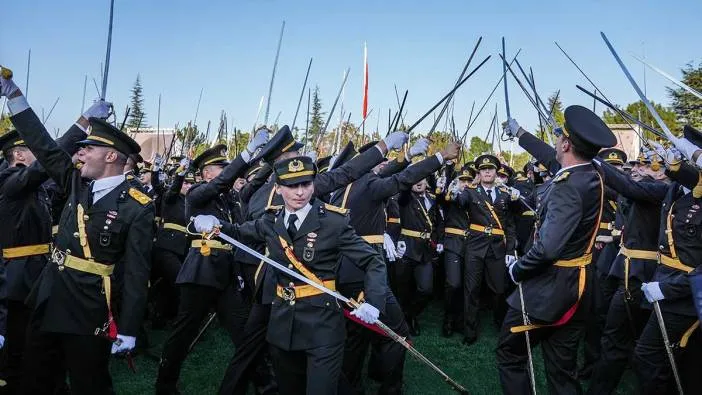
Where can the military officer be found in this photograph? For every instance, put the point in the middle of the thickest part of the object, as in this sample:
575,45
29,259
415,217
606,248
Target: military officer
554,274
209,275
306,330
26,207
105,234
492,237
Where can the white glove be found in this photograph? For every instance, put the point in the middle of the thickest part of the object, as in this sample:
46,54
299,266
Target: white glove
669,155
511,127
510,268
158,162
604,239
439,248
454,189
2,341
99,109
395,140
420,147
205,223
312,155
260,139
401,249
389,247
123,344
7,86
514,193
441,183
652,291
685,146
366,313
183,166
509,260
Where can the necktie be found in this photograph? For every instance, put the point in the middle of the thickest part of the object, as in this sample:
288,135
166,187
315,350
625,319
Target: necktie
492,197
88,198
292,229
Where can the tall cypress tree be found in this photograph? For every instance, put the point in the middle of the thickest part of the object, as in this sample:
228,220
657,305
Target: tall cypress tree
686,105
316,121
137,116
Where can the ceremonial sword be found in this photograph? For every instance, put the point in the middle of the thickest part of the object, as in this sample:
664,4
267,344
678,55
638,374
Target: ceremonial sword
668,347
394,336
107,54
504,78
673,80
643,98
275,66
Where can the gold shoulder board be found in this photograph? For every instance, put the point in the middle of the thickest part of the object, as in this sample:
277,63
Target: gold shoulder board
562,176
335,209
274,207
139,196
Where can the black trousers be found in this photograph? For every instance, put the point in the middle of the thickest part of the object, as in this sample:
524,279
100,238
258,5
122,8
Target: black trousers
314,371
195,302
251,355
479,268
624,323
49,356
15,338
453,289
165,266
651,360
559,346
387,357
415,285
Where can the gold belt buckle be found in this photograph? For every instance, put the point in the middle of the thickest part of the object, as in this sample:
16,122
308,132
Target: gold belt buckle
289,294
488,230
59,257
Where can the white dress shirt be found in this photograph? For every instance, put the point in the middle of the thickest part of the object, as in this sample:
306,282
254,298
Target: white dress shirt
301,215
105,185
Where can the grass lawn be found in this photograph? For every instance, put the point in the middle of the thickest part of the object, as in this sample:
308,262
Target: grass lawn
474,367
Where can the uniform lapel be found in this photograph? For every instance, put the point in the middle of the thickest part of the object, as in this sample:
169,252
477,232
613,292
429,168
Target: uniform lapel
310,224
279,227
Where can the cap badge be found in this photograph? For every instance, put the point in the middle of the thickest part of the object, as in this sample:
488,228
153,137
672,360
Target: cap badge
295,166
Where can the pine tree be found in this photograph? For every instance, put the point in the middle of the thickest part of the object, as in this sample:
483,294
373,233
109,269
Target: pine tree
316,121
639,111
687,106
137,116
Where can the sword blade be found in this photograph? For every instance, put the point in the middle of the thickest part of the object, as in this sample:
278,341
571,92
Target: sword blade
670,78
275,66
668,348
504,78
643,98
107,53
302,94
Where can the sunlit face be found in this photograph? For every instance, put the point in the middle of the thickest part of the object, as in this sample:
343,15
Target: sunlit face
94,159
23,155
145,178
209,172
420,187
562,146
488,175
239,183
296,196
463,183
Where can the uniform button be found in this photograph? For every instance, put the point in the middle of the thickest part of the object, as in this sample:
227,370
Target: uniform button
327,303
290,266
661,247
76,235
291,284
85,218
105,227
68,252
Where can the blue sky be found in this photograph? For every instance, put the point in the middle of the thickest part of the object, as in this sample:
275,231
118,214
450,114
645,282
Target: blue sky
227,49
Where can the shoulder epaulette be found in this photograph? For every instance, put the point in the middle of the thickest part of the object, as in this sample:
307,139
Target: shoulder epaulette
521,178
336,209
139,196
274,207
130,177
471,186
562,176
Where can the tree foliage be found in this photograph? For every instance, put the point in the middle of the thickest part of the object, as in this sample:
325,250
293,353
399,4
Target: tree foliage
639,111
137,116
687,107
316,121
5,124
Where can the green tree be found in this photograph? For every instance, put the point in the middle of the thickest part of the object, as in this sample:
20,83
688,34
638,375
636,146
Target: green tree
137,116
5,124
686,105
556,106
316,121
639,111
237,142
477,147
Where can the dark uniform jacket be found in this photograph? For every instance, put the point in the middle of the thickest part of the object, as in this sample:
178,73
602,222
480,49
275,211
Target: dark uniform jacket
569,218
641,225
683,212
365,198
217,269
454,217
119,233
26,212
173,212
415,216
312,321
476,201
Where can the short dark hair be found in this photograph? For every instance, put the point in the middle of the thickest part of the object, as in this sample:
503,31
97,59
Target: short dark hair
9,153
582,154
121,158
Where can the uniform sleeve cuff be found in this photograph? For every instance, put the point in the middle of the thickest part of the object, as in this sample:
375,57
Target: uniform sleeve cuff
17,104
439,157
80,126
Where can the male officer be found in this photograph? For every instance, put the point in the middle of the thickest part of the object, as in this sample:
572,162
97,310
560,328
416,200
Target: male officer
555,272
105,234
